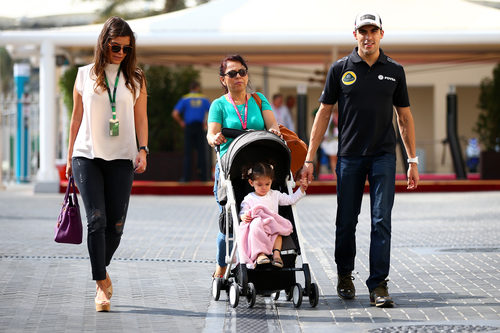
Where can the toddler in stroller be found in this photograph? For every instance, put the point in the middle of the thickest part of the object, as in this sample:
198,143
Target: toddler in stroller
248,149
263,228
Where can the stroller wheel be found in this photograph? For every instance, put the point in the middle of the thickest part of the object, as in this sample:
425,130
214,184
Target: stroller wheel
289,295
216,287
251,295
234,295
276,295
314,295
297,295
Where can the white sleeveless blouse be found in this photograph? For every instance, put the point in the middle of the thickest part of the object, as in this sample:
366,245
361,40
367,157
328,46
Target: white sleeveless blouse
93,139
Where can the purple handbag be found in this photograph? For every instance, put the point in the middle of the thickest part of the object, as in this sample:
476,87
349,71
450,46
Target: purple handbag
69,222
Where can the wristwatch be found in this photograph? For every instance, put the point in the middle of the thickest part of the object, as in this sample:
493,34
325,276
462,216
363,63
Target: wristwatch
413,160
145,148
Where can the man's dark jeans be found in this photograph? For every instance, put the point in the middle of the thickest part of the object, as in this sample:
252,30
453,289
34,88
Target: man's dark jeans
351,176
105,188
195,139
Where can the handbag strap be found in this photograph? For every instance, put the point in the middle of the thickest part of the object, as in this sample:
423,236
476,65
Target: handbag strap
68,189
71,188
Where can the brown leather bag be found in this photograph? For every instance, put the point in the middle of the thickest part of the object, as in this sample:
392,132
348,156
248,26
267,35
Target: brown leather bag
298,148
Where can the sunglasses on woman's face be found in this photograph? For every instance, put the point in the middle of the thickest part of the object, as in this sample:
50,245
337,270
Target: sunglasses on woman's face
232,74
115,48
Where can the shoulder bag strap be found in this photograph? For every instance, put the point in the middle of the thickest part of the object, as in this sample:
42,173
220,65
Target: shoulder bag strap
258,100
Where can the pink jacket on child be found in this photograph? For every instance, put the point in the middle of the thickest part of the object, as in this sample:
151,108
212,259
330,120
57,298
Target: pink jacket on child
259,235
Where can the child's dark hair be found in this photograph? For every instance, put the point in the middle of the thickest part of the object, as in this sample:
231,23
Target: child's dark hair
260,169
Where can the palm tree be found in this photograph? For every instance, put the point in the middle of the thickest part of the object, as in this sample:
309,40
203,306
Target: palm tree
112,7
173,5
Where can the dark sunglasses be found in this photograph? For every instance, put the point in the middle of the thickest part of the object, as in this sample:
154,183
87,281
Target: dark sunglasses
232,74
116,48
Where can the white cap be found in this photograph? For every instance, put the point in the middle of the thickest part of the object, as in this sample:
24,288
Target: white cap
367,18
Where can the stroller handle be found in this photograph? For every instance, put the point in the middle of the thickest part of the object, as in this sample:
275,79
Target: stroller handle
232,132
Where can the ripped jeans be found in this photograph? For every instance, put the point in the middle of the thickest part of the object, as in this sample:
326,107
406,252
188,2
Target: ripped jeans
105,188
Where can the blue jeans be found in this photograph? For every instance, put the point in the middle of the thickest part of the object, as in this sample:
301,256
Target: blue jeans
221,238
351,175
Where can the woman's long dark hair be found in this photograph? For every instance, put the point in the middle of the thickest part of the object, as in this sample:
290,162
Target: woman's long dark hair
134,77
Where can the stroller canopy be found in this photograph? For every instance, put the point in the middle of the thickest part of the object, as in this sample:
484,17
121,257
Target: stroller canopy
257,146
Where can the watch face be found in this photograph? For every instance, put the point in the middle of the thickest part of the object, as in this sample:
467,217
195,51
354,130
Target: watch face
145,148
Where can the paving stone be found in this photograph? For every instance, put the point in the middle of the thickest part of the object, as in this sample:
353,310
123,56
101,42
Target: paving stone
444,269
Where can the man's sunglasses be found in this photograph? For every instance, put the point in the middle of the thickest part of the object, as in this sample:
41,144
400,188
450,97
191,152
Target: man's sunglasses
232,74
115,48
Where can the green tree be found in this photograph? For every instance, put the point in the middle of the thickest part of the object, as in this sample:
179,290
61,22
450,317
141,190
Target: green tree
115,8
173,5
6,71
66,83
488,121
166,85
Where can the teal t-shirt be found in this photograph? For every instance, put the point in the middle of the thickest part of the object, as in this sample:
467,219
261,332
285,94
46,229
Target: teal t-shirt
222,112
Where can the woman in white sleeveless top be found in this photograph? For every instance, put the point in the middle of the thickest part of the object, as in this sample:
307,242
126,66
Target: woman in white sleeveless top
109,115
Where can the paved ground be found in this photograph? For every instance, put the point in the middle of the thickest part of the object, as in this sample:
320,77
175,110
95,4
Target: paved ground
444,275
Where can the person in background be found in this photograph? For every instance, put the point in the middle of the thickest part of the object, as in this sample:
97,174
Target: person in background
290,103
190,112
282,113
330,142
367,85
236,109
109,115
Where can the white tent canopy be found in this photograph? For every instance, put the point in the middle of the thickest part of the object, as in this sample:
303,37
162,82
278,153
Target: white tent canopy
269,31
295,25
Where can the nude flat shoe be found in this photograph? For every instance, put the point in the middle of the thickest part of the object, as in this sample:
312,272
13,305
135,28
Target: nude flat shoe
263,260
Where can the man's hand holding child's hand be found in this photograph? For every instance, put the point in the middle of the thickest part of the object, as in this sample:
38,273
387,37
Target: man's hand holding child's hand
303,184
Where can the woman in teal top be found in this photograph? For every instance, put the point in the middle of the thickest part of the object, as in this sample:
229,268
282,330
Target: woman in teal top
235,109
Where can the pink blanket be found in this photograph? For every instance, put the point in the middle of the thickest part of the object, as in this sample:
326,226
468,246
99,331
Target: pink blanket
259,235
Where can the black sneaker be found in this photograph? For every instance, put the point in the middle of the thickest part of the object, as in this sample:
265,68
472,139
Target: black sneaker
345,287
379,296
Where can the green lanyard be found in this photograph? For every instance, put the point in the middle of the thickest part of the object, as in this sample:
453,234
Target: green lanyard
113,99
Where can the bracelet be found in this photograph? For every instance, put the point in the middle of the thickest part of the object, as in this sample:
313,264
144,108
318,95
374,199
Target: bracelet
413,160
308,162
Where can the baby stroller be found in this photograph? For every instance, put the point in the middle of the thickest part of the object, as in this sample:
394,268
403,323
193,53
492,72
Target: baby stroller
248,148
